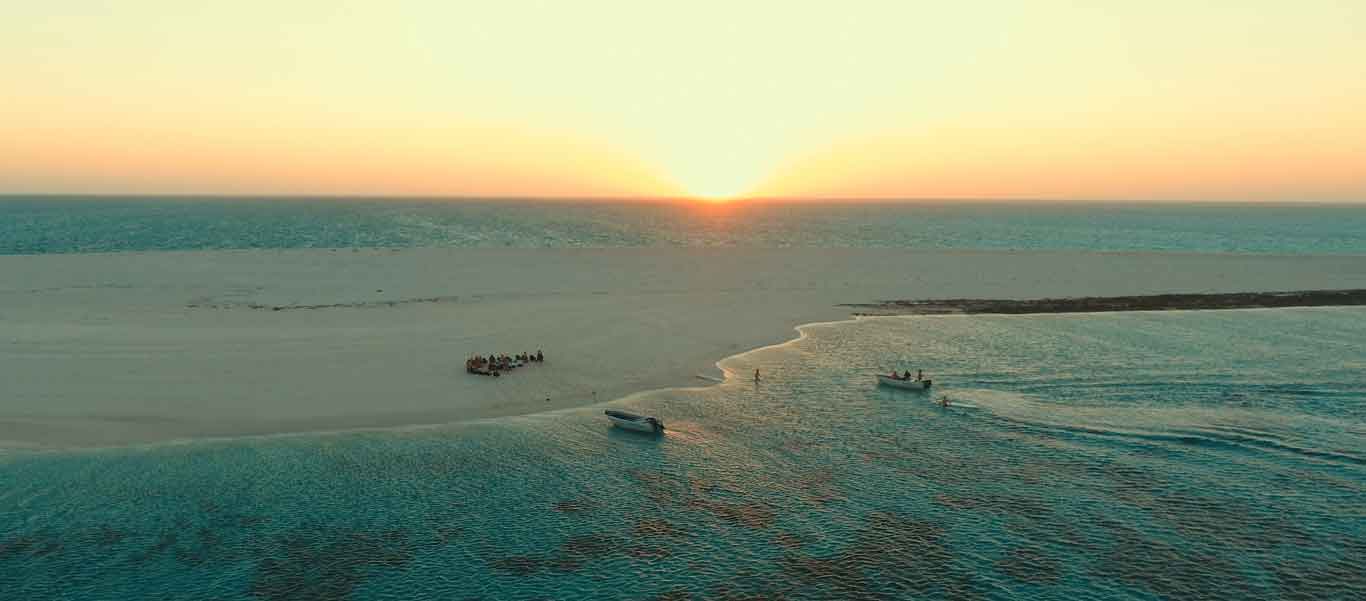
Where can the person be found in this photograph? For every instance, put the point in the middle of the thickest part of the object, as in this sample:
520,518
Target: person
539,356
944,402
907,376
756,375
919,374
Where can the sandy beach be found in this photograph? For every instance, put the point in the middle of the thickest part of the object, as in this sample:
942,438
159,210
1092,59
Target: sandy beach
110,349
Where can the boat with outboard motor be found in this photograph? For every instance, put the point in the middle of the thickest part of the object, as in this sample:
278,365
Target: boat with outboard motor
904,384
631,421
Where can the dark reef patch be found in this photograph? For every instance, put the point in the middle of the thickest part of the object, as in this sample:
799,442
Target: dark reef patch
569,557
1341,578
1030,565
1175,572
891,557
749,515
38,544
656,527
320,564
572,506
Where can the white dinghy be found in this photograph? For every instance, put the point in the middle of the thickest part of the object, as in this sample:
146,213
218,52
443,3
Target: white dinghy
904,384
631,421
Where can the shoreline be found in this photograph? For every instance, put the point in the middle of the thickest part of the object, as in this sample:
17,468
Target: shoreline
1108,304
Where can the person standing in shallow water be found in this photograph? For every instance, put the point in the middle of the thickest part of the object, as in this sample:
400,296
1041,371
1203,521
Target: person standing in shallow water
756,375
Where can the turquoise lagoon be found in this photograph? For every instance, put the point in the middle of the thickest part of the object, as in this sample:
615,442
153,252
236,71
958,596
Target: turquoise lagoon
1179,455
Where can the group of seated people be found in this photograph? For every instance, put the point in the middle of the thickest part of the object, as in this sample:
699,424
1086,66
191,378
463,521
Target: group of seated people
494,365
919,375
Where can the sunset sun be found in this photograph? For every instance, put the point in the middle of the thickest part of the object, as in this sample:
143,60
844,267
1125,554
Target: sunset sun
716,190
720,167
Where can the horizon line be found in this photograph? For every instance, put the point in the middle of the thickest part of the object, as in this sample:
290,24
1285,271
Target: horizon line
660,199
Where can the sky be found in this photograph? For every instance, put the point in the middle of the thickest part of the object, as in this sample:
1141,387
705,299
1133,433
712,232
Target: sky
1037,99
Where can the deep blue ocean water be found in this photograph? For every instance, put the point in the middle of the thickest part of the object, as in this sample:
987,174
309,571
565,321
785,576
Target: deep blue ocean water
33,225
1176,455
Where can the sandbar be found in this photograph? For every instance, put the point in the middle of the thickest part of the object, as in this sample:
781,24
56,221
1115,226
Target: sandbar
131,348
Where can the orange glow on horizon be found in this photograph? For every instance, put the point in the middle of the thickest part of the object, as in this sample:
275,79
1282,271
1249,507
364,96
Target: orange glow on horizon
712,101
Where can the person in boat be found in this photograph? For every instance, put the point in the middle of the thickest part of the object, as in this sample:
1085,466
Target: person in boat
539,356
907,375
919,375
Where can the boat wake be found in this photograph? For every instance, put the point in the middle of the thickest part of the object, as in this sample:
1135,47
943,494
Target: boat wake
1168,427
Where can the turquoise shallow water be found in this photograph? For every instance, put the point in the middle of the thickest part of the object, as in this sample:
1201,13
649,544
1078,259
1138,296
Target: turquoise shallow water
63,225
1182,455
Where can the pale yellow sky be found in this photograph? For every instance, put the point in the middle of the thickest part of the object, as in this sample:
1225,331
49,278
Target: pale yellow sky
1245,100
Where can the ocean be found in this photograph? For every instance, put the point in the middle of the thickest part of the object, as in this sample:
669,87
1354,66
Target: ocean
38,225
1168,455
1190,455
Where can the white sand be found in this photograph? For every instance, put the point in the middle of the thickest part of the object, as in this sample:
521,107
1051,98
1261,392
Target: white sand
126,348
